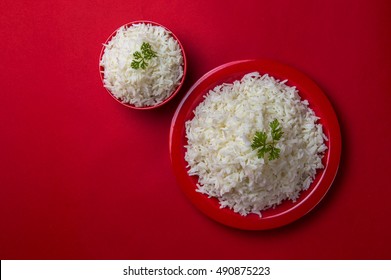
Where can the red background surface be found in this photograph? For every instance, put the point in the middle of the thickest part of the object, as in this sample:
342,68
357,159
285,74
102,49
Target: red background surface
83,177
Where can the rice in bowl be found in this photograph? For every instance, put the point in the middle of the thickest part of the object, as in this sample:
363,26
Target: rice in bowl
142,87
219,138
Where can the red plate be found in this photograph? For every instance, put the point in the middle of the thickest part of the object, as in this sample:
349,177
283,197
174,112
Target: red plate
288,211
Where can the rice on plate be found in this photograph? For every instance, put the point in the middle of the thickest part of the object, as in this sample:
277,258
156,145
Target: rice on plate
143,64
219,144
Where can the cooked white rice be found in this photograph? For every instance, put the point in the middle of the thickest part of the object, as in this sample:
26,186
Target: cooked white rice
141,87
219,144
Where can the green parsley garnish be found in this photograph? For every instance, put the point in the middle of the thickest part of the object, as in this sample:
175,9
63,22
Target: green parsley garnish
140,58
263,146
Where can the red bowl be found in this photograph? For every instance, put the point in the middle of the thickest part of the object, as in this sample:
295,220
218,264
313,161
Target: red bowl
287,211
175,91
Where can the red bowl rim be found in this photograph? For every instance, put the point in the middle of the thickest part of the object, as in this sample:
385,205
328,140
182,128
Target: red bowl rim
173,94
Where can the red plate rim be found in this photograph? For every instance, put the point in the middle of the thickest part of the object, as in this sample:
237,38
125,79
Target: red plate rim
176,90
287,212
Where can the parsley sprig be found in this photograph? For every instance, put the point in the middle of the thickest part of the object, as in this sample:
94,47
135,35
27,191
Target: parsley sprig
140,58
263,146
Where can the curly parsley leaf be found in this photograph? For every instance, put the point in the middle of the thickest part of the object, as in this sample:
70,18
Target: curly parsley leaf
276,130
140,58
263,146
274,153
259,140
147,51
